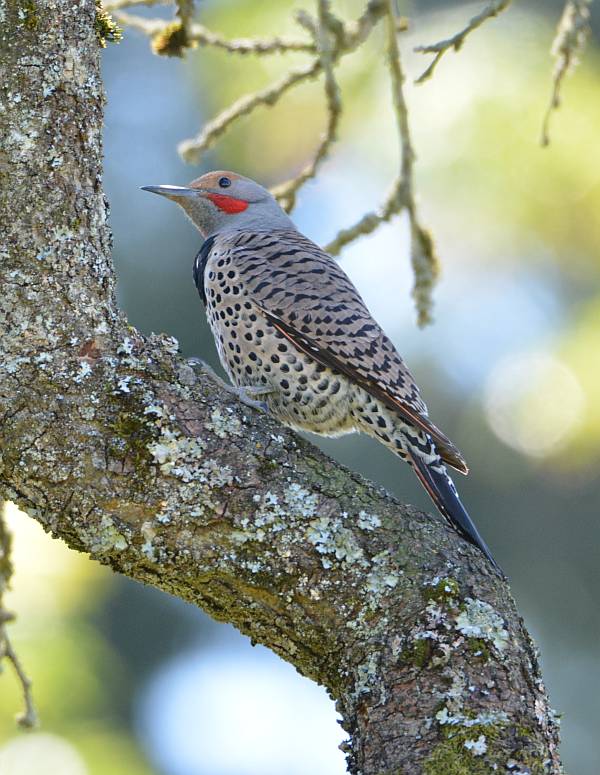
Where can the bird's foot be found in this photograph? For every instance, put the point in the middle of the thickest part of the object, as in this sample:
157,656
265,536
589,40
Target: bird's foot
250,396
247,395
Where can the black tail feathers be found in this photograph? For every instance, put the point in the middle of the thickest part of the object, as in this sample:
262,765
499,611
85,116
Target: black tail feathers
443,493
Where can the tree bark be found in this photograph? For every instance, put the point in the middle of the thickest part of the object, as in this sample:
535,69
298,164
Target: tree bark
118,446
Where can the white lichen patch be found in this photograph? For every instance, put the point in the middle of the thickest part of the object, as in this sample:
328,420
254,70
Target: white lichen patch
367,674
213,474
183,456
170,343
479,620
84,371
126,346
25,143
177,455
104,538
12,365
123,384
368,521
148,534
224,424
477,747
126,354
334,541
383,577
269,514
489,718
301,503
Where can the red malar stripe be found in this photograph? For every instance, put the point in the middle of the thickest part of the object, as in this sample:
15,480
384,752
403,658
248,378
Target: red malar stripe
227,203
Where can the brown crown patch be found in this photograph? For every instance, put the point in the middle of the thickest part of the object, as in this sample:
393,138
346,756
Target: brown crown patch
211,179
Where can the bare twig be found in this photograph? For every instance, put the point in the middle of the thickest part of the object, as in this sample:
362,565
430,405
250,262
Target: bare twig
571,35
494,8
274,45
422,250
327,25
173,38
201,35
370,221
117,5
185,11
191,149
29,717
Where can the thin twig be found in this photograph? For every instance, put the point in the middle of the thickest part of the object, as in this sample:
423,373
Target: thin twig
191,149
422,250
368,222
117,5
286,192
571,35
494,8
29,717
201,35
185,11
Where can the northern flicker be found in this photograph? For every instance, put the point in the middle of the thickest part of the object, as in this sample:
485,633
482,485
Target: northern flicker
295,336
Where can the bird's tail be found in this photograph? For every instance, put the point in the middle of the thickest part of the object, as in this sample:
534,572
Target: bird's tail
443,493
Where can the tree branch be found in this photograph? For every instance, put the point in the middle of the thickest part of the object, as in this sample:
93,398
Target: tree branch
571,36
118,446
28,718
201,35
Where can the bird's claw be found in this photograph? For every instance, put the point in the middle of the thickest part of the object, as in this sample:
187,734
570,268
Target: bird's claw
247,395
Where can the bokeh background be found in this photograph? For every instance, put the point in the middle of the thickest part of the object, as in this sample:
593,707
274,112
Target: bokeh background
131,682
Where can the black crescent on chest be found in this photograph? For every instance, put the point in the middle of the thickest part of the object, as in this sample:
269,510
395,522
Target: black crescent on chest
200,266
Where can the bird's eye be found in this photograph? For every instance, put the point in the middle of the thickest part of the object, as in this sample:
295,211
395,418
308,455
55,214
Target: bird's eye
224,182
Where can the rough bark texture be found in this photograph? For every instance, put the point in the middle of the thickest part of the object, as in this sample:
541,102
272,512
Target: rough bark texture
116,445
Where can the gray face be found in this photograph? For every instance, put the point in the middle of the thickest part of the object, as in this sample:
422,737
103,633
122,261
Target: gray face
225,201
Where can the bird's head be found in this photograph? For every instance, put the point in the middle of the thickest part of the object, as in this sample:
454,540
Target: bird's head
225,201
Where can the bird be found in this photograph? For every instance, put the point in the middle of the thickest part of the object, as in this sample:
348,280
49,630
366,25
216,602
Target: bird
297,340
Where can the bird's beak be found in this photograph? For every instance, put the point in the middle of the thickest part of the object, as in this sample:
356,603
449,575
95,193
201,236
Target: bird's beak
171,192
